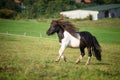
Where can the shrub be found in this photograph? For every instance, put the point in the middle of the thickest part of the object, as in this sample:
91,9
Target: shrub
7,13
89,17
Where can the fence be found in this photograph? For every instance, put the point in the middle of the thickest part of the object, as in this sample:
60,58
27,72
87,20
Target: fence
29,34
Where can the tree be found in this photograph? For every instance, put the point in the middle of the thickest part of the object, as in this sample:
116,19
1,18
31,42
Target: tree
111,1
98,1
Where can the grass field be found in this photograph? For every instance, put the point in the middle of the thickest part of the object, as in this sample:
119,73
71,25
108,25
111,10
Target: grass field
25,58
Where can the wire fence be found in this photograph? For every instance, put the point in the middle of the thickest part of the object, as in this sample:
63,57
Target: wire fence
30,34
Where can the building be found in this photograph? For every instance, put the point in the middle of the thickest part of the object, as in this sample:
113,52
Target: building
97,12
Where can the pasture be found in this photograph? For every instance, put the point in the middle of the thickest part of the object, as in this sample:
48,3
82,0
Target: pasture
27,58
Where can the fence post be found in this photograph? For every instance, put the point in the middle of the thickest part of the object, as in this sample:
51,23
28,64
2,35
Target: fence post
7,32
24,33
40,35
56,37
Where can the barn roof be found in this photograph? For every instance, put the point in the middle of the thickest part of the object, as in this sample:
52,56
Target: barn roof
103,7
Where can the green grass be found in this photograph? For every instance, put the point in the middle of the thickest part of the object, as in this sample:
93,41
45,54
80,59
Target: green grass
24,58
30,27
107,30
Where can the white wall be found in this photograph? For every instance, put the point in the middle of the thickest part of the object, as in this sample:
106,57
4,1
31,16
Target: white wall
80,14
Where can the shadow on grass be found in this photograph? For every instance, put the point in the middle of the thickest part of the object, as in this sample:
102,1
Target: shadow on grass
101,64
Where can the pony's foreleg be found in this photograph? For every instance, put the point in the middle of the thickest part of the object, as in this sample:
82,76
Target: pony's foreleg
63,57
63,47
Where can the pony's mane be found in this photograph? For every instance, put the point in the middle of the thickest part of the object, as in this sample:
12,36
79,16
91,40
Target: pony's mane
68,26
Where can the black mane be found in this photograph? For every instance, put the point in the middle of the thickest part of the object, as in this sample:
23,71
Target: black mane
66,25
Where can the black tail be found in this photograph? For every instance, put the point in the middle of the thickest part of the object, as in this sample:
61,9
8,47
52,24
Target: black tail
97,49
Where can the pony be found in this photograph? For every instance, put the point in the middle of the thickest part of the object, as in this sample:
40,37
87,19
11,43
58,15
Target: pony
69,36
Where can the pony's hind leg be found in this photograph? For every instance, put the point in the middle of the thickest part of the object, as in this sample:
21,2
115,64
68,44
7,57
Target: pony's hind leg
78,60
81,56
89,56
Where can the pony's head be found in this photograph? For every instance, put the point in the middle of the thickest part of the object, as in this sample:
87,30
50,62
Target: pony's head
54,27
57,25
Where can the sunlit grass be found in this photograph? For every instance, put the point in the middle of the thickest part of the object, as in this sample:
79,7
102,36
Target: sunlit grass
33,58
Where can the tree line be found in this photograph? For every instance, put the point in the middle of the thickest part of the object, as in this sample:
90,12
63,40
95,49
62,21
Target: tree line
31,9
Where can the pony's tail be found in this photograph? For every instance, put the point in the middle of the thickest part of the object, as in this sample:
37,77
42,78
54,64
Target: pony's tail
97,49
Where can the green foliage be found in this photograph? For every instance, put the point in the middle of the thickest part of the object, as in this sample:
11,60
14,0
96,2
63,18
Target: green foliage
111,1
31,9
7,13
9,4
98,1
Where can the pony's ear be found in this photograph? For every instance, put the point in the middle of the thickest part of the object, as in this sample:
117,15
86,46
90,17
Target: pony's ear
58,22
55,21
61,23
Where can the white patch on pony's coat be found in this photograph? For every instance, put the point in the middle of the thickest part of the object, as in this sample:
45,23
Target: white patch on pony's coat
70,40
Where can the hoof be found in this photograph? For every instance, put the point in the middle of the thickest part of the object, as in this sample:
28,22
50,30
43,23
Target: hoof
57,60
77,61
87,64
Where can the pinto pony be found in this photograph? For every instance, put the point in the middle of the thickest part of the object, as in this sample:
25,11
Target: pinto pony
70,37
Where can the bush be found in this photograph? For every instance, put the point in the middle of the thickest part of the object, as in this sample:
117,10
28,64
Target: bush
7,13
89,17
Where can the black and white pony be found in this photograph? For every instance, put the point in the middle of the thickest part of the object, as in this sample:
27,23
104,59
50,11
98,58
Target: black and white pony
70,37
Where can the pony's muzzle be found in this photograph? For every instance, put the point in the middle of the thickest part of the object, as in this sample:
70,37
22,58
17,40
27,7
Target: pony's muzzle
48,33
